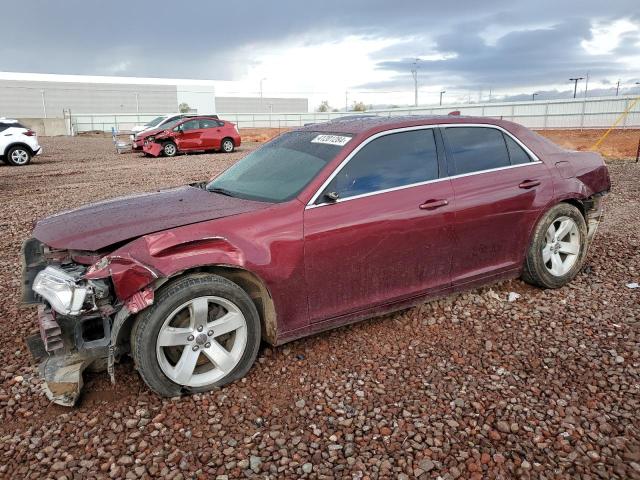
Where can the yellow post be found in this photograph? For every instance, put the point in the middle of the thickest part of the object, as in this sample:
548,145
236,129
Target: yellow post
615,124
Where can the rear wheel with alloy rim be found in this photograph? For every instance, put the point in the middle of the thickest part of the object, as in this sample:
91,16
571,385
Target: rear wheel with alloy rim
18,156
202,332
227,145
558,247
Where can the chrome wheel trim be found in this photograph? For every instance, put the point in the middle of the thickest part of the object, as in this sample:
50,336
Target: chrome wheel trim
170,149
201,336
19,156
227,146
562,246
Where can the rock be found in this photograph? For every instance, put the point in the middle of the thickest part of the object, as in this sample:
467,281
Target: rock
426,465
255,463
307,468
503,426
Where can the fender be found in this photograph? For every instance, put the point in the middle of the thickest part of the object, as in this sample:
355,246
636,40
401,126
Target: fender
17,144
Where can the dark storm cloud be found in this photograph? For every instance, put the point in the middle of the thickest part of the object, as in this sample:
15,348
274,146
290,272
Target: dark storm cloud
215,40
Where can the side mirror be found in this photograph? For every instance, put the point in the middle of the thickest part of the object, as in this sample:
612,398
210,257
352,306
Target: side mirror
331,197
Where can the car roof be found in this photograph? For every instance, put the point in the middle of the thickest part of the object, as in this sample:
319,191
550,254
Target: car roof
8,120
369,124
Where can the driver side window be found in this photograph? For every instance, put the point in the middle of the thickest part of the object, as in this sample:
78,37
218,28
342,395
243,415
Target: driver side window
394,160
191,125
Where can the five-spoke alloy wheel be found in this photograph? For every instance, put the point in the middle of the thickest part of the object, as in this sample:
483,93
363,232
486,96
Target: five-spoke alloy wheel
201,341
202,332
558,247
227,145
18,156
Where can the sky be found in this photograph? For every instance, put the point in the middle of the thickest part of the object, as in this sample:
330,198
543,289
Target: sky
339,51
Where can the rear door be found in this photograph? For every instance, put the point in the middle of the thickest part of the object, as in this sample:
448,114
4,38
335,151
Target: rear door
388,235
191,136
211,133
500,188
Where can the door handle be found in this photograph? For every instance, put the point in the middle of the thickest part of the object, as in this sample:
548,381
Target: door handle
529,184
433,204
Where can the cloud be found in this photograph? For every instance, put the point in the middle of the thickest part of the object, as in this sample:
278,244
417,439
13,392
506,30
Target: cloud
463,44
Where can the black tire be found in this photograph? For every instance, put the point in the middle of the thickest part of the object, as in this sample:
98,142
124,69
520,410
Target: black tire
168,298
535,270
18,156
227,145
169,149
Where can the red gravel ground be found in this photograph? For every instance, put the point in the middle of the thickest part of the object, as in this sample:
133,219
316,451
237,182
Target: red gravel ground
470,386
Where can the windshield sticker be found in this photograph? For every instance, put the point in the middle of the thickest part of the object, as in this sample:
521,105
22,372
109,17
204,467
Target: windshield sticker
339,140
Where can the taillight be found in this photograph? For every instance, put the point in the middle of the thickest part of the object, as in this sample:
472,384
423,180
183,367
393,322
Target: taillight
30,133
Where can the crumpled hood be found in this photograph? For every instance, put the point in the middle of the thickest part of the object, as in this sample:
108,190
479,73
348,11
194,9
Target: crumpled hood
99,225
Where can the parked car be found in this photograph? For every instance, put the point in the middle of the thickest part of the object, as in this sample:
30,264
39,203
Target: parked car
157,124
194,134
320,227
18,144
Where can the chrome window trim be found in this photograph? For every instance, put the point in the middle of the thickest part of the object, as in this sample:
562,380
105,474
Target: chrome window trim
534,161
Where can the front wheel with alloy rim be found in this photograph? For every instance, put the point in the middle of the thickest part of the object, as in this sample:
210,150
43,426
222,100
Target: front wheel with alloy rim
227,145
18,156
202,332
558,247
169,149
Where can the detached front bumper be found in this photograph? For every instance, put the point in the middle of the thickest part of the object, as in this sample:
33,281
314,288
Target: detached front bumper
64,347
152,148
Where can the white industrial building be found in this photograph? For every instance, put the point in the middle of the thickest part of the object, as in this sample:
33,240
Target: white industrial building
34,95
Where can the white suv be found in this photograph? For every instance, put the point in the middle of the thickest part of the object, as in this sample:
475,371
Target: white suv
17,143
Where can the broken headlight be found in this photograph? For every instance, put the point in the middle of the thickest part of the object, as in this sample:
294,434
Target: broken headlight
61,290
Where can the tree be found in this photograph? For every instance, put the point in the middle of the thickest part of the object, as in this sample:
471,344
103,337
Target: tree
184,107
324,106
359,107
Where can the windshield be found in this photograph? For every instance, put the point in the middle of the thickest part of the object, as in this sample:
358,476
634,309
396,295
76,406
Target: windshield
154,122
170,125
280,169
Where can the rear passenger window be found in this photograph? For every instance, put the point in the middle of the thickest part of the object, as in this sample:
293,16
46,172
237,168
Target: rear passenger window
476,148
208,124
516,152
390,161
3,126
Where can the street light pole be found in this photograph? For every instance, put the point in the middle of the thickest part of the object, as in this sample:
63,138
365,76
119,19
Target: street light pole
442,93
533,96
617,88
414,74
261,80
575,84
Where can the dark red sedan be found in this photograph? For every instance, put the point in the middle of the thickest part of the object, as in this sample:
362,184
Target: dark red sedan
321,227
193,134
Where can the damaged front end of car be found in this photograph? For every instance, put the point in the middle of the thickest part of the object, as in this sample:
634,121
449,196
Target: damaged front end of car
81,312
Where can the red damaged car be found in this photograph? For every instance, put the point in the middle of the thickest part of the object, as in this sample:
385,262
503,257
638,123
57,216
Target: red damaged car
320,227
193,134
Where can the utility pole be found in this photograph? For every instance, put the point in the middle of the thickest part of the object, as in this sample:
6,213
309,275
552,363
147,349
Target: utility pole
586,86
414,74
441,93
44,104
261,80
346,100
575,84
489,95
618,87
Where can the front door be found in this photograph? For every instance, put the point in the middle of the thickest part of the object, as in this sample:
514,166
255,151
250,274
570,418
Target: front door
381,231
190,138
500,190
